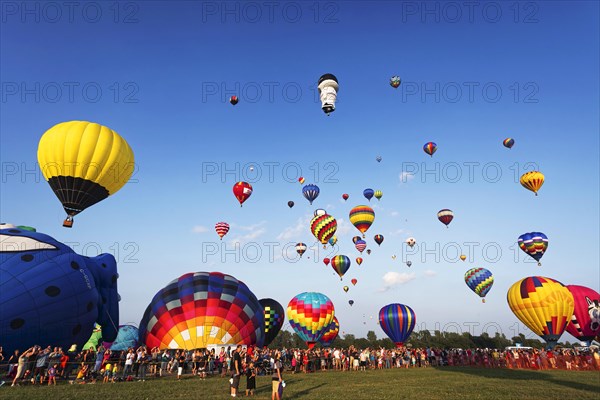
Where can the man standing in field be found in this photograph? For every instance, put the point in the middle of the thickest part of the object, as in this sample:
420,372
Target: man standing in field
237,370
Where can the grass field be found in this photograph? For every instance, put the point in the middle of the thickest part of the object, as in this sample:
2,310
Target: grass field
446,383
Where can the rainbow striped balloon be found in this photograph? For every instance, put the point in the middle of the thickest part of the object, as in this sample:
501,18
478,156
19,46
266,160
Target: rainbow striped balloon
340,264
310,314
397,321
508,142
430,148
480,280
323,227
362,218
534,244
331,332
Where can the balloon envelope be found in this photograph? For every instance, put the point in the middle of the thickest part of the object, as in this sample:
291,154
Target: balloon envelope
340,264
430,148
310,314
274,318
532,180
242,191
331,332
508,142
397,321
368,193
585,322
479,280
323,227
362,218
534,244
127,337
310,192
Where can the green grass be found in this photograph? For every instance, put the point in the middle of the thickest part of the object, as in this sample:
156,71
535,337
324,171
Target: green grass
446,383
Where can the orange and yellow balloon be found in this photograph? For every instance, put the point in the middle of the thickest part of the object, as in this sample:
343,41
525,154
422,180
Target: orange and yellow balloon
362,218
532,180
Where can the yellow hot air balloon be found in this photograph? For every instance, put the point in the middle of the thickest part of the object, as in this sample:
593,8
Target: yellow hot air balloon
543,304
84,163
532,180
463,257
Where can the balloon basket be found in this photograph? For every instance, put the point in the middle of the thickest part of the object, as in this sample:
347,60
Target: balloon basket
483,300
68,223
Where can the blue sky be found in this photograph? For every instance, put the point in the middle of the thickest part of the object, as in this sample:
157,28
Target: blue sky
161,76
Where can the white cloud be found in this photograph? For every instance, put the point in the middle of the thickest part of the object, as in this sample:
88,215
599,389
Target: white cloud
297,231
247,227
343,227
430,273
394,213
199,229
392,279
254,232
329,207
406,176
398,232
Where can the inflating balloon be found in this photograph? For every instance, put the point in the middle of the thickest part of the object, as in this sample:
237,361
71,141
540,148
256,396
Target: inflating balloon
274,317
359,260
242,191
84,163
378,239
397,321
310,192
362,218
323,227
585,322
395,81
360,245
508,142
532,180
127,337
328,87
331,332
300,248
310,314
222,228
479,280
340,265
95,339
290,204
51,295
368,193
233,100
534,244
201,309
445,216
430,148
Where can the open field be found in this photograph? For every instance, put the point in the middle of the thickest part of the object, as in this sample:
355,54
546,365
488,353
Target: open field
422,384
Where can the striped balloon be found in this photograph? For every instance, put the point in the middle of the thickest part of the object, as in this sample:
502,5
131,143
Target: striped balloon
378,194
359,260
222,228
362,218
274,317
378,239
300,248
360,245
532,180
445,216
340,265
430,148
331,333
397,321
201,309
508,142
310,192
480,280
534,244
310,314
323,227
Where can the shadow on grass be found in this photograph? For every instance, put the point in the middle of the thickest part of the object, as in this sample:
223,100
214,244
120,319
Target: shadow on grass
301,394
520,374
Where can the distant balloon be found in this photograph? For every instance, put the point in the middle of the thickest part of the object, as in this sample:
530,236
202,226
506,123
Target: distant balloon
430,148
340,264
301,180
362,218
346,288
534,244
345,196
274,318
310,314
333,240
290,204
378,239
233,100
355,239
532,180
252,168
300,248
445,216
409,263
411,241
369,251
323,227
360,245
354,281
378,158
326,261
395,81
585,322
463,257
368,193
479,280
359,260
544,305
319,211
222,228
242,191
310,192
508,142
397,321
351,302
378,194
328,87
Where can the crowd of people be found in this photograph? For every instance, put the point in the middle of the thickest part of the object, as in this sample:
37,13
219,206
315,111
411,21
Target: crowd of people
47,366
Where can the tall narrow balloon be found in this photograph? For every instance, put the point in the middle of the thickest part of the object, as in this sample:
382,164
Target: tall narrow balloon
328,88
397,321
310,314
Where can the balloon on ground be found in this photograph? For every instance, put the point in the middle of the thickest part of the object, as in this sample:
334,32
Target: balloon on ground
310,314
398,322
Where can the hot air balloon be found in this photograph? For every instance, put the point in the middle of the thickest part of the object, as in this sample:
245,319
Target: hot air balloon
326,261
310,192
290,204
333,240
222,228
430,148
479,280
310,314
463,257
532,180
323,227
369,251
233,100
409,263
319,211
274,316
301,180
359,260
346,288
331,332
242,191
328,87
95,339
368,193
534,244
378,194
378,158
585,322
355,239
345,196
340,265
201,309
395,81
508,142
50,294
378,239
544,305
351,302
397,321
300,248
84,163
411,242
127,337
445,216
354,281
362,218
360,245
